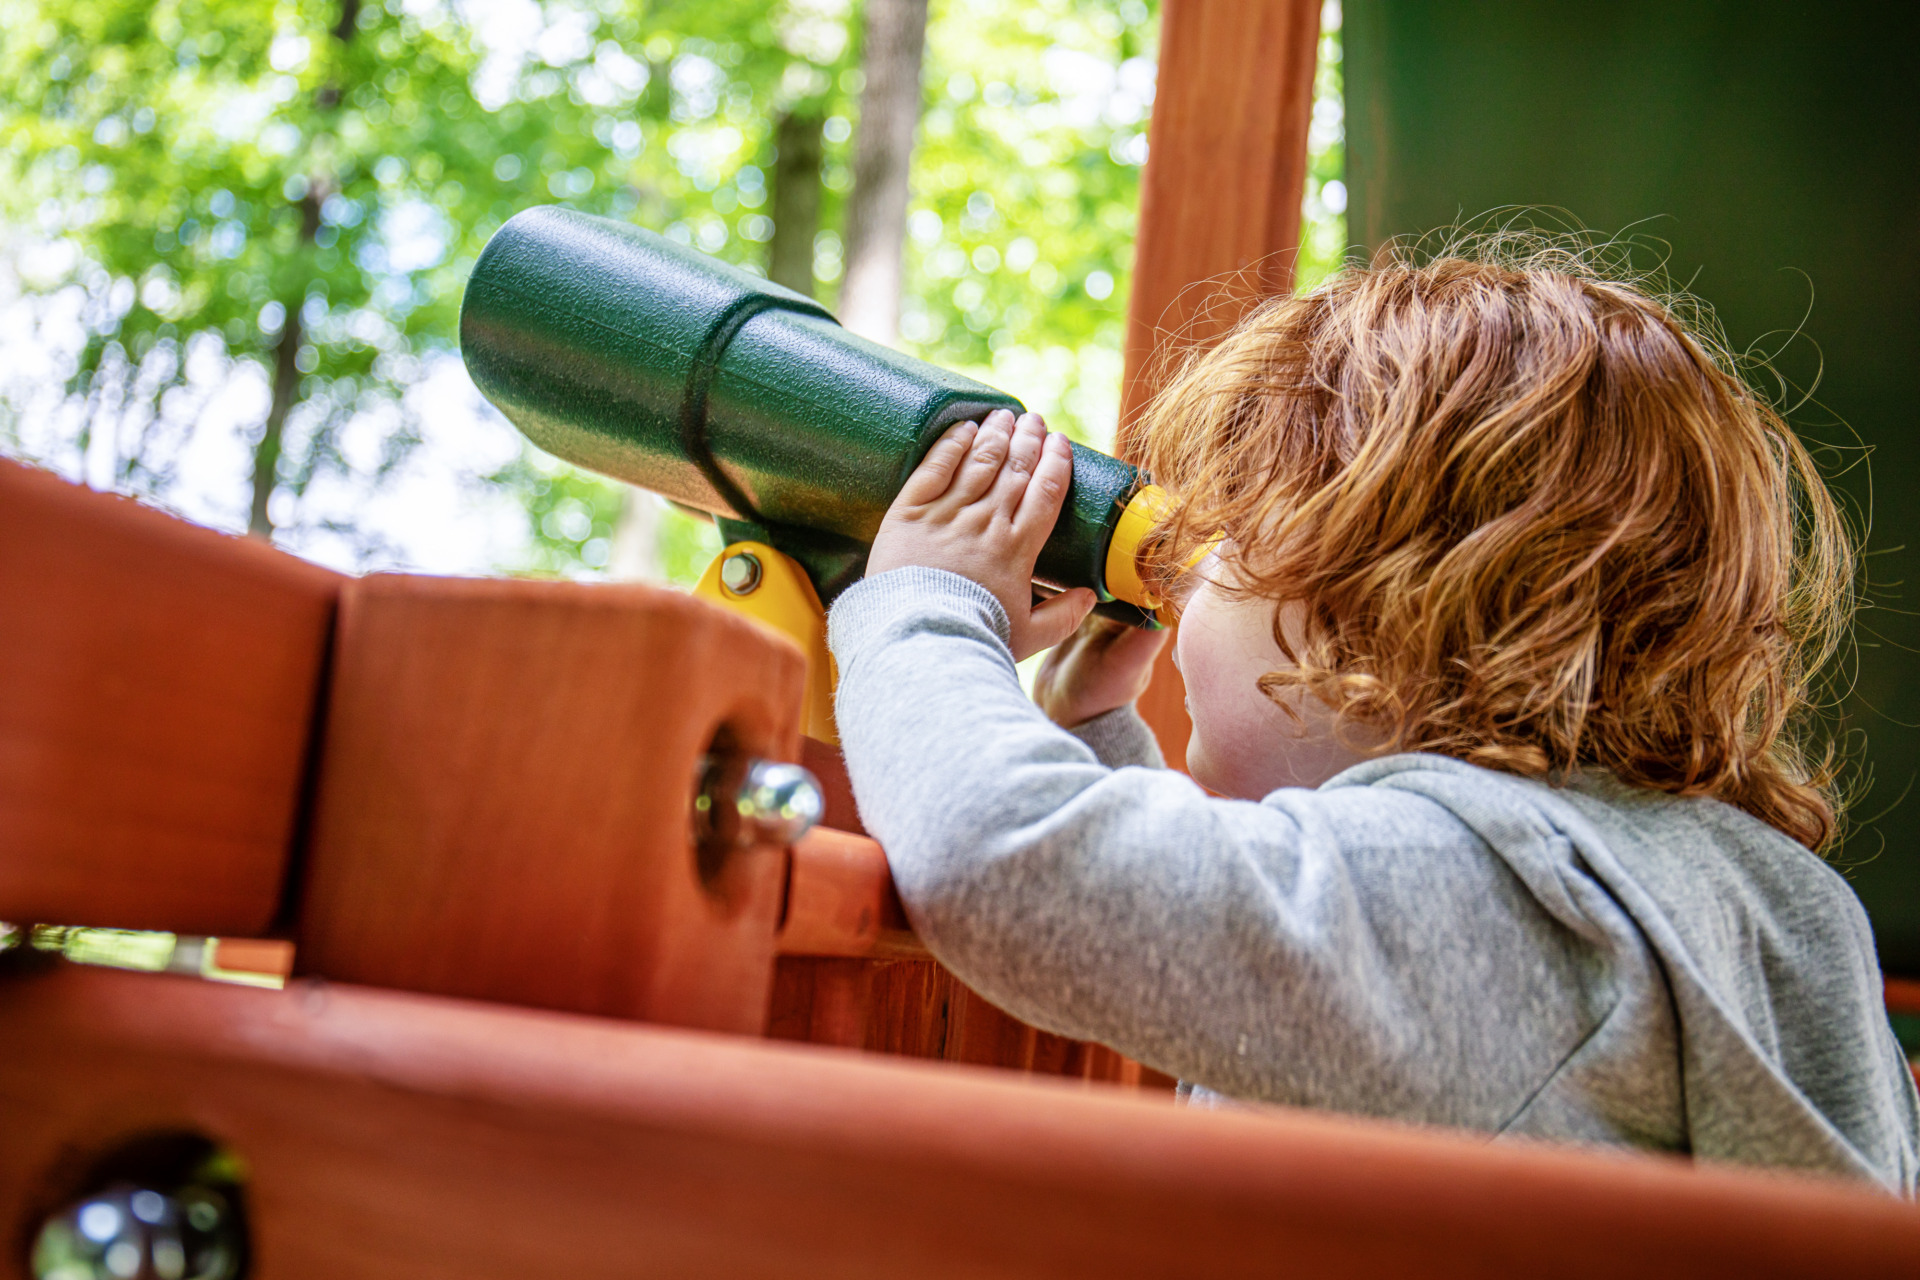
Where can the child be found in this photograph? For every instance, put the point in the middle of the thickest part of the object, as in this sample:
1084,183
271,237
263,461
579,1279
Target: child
1496,671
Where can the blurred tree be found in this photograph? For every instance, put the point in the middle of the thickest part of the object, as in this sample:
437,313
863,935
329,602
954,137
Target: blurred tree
200,193
286,192
1025,189
300,188
890,58
797,162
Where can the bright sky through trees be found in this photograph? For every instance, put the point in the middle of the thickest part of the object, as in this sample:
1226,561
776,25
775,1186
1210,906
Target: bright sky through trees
178,179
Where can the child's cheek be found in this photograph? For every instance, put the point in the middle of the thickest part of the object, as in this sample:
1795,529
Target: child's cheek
1239,735
1245,745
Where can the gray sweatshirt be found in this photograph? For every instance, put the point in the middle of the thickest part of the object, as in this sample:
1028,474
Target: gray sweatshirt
1418,938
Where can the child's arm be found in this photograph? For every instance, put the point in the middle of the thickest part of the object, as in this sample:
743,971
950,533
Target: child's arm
1120,738
1088,686
1227,941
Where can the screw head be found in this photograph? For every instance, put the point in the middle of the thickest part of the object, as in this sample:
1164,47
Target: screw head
740,573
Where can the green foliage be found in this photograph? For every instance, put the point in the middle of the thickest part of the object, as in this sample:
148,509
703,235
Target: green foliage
575,517
1026,191
1323,232
1026,183
212,168
573,514
218,166
188,149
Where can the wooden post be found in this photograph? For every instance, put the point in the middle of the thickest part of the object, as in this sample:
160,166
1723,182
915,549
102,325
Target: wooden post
504,808
158,685
1219,208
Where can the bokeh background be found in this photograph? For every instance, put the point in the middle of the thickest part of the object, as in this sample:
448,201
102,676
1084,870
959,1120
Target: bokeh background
234,235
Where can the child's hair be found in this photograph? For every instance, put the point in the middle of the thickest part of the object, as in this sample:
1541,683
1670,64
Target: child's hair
1533,520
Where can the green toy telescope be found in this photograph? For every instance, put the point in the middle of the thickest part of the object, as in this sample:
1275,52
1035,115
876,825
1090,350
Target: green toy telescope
631,355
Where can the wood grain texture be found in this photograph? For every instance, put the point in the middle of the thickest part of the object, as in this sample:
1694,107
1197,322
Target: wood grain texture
1219,211
504,808
1226,170
158,683
389,1134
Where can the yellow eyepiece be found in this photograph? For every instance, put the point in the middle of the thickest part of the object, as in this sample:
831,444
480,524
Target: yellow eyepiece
1142,512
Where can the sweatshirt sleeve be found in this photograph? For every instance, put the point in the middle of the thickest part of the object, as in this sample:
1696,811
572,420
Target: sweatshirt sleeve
1119,738
1263,950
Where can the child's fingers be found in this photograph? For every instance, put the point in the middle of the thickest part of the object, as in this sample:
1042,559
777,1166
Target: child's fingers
1024,451
935,472
1135,647
1046,490
1056,619
982,465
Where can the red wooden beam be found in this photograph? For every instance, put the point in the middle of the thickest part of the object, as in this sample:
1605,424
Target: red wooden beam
841,901
388,1134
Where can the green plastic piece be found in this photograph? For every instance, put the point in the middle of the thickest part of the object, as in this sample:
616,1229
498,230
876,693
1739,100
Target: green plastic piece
628,354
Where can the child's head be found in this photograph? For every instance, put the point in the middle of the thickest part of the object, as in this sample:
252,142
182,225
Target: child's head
1507,510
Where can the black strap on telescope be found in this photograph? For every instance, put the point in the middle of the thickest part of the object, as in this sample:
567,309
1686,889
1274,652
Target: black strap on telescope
693,403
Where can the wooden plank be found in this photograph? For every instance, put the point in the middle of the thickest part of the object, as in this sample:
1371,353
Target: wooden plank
505,801
158,683
1219,209
388,1134
841,901
823,1000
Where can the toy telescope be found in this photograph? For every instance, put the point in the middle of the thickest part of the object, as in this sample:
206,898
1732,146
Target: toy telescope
636,357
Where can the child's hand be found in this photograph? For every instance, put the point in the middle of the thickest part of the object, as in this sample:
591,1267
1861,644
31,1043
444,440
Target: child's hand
1102,666
981,504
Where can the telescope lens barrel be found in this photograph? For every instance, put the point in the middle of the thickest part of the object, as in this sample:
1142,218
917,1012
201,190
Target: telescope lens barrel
626,353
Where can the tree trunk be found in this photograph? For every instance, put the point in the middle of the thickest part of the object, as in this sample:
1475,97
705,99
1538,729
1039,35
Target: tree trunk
266,455
349,18
877,210
286,385
796,200
286,352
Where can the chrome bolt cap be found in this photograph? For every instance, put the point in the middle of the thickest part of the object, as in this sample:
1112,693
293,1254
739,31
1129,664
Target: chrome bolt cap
778,803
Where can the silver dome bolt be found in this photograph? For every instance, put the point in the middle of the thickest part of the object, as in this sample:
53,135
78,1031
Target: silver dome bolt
127,1230
778,803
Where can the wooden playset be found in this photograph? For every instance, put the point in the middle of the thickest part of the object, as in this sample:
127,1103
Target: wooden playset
546,1019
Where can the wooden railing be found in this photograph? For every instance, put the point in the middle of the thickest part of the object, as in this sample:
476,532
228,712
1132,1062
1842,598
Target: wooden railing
475,795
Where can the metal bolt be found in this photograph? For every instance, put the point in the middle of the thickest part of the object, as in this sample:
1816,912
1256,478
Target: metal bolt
740,573
127,1230
778,803
745,802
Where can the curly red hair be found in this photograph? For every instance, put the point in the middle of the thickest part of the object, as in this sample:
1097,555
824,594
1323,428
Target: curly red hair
1534,522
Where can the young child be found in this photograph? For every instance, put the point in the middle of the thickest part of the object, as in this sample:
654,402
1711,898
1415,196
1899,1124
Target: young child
1497,670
